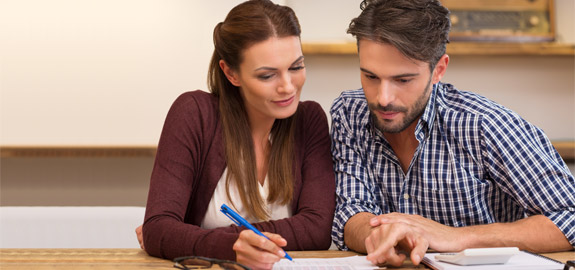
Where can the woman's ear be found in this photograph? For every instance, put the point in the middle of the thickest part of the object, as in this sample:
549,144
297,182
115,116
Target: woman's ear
440,69
230,73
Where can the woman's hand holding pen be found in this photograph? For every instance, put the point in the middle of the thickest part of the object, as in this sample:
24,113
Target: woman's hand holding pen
256,252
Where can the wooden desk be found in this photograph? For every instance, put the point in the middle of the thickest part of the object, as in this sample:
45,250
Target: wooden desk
132,259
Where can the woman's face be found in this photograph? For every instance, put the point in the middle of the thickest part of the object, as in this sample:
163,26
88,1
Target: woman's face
270,78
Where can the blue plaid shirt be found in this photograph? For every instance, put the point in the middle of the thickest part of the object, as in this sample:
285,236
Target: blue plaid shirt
477,163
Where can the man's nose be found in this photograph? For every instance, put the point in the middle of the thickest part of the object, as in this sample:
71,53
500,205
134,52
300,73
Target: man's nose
385,93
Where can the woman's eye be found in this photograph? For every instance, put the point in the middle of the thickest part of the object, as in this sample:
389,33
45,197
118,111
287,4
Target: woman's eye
265,77
297,68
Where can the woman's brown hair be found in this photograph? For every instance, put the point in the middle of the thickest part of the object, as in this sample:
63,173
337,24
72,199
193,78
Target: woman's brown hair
246,24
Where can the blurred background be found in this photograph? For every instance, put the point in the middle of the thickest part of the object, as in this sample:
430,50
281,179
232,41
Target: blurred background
85,86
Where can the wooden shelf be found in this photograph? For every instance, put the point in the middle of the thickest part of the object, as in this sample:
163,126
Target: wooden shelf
474,48
565,148
456,48
76,151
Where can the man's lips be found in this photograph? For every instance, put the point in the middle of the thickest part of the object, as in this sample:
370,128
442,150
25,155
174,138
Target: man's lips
284,102
387,115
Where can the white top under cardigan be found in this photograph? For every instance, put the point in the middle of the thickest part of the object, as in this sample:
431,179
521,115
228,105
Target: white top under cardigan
214,218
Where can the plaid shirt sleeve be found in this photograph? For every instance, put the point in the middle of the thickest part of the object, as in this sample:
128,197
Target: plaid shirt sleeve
522,160
354,189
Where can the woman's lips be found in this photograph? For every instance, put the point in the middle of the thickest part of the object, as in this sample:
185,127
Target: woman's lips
285,102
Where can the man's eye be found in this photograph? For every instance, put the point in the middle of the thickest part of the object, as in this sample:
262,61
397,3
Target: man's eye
371,77
404,80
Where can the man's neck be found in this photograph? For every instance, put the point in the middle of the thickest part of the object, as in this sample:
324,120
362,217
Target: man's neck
403,144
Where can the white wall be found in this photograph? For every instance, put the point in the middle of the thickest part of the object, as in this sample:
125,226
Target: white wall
99,72
86,72
104,72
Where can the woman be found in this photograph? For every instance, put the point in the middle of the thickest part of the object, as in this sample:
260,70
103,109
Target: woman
250,144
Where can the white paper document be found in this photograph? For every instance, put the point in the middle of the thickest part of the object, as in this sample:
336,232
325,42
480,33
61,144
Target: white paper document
521,261
345,263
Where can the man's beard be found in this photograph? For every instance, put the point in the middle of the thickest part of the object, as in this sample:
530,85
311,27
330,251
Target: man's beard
411,115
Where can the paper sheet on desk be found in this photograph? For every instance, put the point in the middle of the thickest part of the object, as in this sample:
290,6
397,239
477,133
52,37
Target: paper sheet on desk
522,261
345,263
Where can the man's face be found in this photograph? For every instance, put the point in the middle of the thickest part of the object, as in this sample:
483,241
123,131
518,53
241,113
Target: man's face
397,88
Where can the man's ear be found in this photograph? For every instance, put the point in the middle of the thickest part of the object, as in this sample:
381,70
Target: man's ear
440,69
230,73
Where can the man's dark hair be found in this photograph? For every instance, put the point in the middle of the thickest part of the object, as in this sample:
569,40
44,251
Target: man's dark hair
417,28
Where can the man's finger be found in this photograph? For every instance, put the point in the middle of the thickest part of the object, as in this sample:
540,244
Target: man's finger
390,238
418,251
369,245
394,258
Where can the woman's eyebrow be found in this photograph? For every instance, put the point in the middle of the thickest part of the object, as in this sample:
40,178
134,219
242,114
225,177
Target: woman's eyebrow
298,60
272,68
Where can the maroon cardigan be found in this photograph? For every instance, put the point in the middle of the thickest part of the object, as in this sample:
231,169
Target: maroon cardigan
189,163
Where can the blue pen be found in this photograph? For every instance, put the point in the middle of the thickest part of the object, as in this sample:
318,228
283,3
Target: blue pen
240,221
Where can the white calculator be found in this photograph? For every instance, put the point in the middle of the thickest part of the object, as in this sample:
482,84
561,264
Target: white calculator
473,256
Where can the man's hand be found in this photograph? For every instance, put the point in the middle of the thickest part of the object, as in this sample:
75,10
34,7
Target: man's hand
257,252
536,233
440,237
388,243
140,236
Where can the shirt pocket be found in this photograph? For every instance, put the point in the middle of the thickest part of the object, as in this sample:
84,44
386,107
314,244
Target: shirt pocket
463,202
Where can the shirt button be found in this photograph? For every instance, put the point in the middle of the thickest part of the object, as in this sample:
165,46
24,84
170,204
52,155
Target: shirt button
406,196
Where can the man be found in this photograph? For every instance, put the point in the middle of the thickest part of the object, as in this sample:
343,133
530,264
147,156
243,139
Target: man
420,164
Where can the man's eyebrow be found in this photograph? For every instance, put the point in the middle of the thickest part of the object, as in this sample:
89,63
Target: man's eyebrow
394,76
299,59
405,75
366,71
